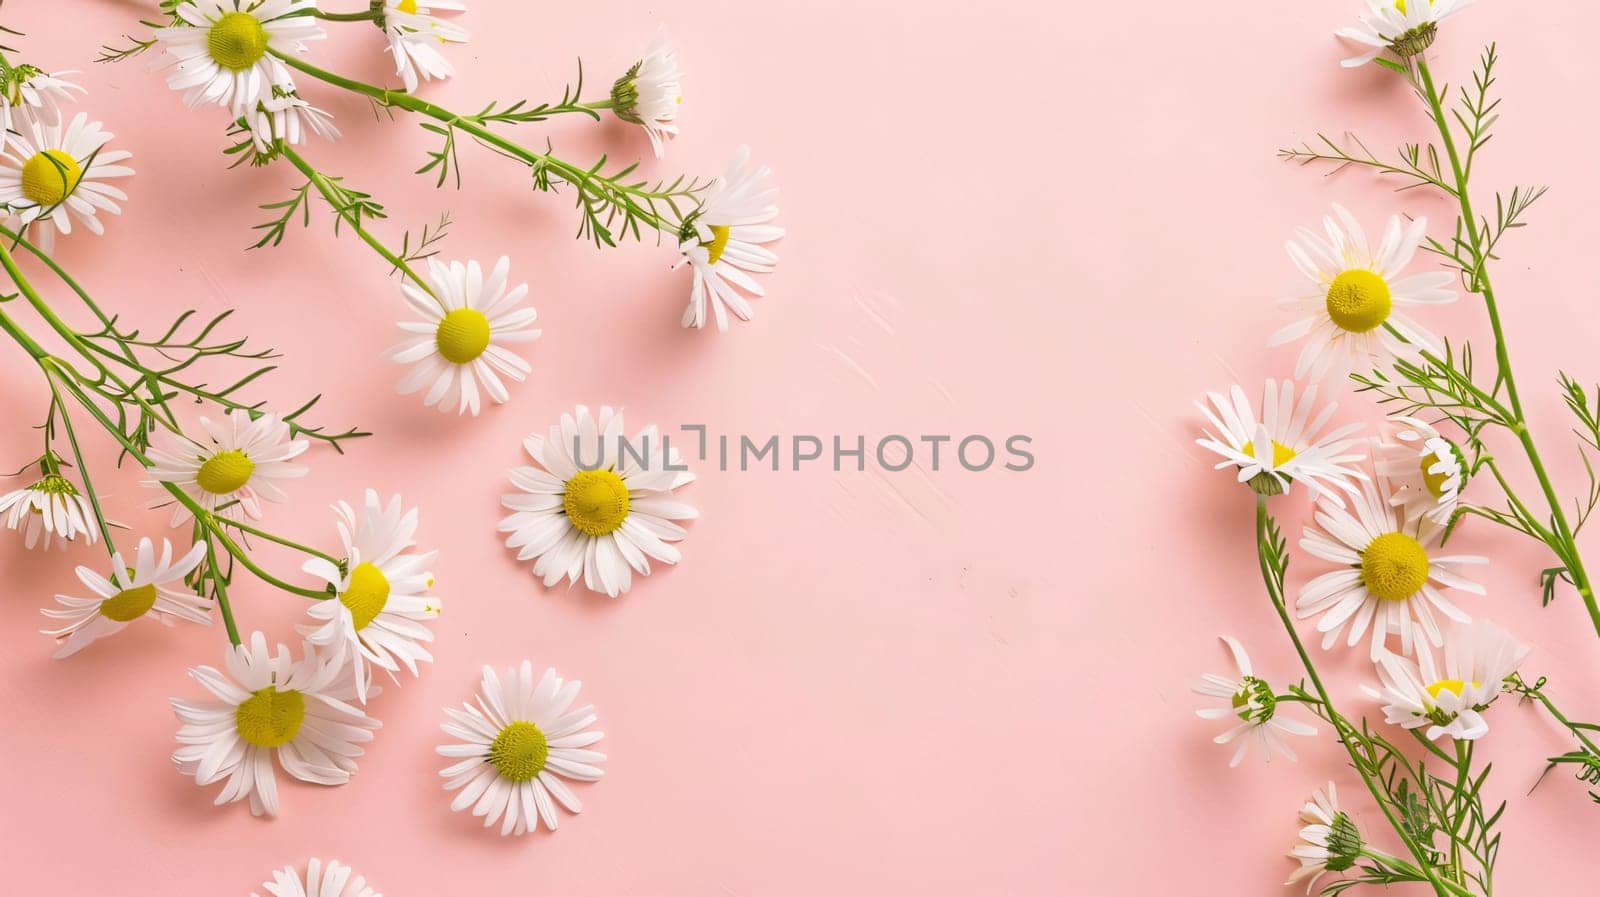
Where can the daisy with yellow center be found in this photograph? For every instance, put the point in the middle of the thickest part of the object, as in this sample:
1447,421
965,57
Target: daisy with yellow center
55,176
599,505
1392,577
461,341
378,616
1403,27
1427,470
220,51
1352,318
1250,706
333,879
723,242
650,92
233,470
267,706
515,747
1289,442
52,508
1449,699
416,33
152,587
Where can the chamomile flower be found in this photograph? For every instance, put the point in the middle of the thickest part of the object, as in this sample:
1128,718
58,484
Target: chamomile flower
270,706
286,117
1251,707
1329,840
1427,469
649,93
1356,296
52,508
1391,578
461,339
516,746
377,619
152,586
415,32
333,880
1407,27
28,95
1449,699
218,49
599,505
722,242
56,176
237,466
1289,442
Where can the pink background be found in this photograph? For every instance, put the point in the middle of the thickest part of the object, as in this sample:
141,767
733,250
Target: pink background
1064,223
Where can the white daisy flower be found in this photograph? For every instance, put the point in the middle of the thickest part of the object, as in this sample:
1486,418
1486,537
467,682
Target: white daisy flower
53,175
1390,579
234,470
52,507
1428,470
1329,841
377,619
1287,443
598,505
334,880
1250,705
461,338
415,32
721,241
1406,27
516,746
1449,700
29,95
269,705
219,51
286,117
151,586
1358,292
649,93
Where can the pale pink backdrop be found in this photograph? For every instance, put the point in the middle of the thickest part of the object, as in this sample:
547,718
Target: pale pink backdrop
1061,219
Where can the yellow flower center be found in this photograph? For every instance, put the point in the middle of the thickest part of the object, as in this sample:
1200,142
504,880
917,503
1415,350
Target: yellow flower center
237,41
1434,481
719,242
409,7
1358,301
367,595
129,604
270,718
519,751
225,472
1394,567
1281,454
463,335
596,501
50,176
1454,686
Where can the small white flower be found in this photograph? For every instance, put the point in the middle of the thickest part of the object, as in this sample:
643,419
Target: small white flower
53,175
1407,27
52,507
461,338
1449,700
288,118
377,618
150,587
334,880
1250,704
721,241
516,746
1287,443
599,505
1427,468
1329,841
415,32
29,95
1356,296
649,93
234,470
219,53
1390,579
270,706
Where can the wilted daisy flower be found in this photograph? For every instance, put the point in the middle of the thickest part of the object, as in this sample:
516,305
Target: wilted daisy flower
237,466
270,706
1405,26
1349,314
515,748
52,175
26,93
649,93
1329,841
219,49
1427,469
286,117
334,880
377,619
1390,580
461,339
598,504
52,507
415,32
152,586
1251,706
1285,444
721,241
1449,700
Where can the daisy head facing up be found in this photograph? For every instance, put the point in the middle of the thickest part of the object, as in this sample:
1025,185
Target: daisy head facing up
1449,696
221,52
54,177
152,586
233,469
1287,442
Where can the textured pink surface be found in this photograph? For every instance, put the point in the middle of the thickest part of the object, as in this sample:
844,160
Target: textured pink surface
1063,223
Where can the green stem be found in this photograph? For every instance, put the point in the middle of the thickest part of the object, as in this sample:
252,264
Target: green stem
274,537
1537,693
83,468
220,590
